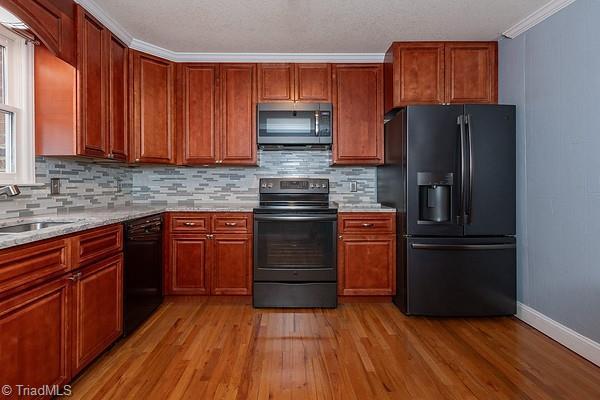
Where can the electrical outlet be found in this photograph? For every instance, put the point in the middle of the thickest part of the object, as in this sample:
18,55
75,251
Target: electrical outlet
54,186
354,186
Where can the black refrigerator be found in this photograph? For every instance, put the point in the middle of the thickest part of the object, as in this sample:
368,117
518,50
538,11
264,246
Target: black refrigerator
450,172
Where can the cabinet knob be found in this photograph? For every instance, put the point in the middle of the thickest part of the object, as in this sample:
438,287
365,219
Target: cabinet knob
210,236
340,237
137,160
189,223
230,223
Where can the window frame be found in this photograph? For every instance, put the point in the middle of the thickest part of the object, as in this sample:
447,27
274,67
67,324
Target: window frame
19,100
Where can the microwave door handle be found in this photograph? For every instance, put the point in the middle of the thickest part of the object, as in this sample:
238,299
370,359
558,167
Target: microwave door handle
316,123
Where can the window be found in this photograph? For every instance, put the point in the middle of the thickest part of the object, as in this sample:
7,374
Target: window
17,162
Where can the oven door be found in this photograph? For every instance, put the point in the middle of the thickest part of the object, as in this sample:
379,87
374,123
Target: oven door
295,247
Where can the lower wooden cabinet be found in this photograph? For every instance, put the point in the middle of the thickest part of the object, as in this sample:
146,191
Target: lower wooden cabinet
367,265
232,264
97,309
34,339
212,257
188,261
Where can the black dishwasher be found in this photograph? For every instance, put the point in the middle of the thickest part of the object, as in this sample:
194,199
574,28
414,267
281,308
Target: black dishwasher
142,293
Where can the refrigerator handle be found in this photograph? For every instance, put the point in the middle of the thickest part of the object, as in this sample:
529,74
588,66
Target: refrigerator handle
463,167
469,201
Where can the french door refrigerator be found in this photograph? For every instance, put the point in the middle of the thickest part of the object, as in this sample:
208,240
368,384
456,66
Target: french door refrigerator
450,172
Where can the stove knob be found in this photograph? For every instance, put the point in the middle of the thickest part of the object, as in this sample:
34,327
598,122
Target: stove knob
264,185
324,185
270,185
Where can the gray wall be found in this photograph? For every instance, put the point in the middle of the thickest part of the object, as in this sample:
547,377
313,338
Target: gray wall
552,73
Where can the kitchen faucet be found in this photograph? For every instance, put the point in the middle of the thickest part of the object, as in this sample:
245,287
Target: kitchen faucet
10,190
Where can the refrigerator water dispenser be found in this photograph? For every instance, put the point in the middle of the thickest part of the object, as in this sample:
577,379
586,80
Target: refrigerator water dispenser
435,197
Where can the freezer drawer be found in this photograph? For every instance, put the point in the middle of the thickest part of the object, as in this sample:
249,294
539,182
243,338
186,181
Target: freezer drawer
461,276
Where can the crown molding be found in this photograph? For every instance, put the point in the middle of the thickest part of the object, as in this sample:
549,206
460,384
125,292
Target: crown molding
536,17
255,57
93,8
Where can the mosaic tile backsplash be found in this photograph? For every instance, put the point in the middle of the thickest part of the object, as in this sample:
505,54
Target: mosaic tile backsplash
238,184
86,184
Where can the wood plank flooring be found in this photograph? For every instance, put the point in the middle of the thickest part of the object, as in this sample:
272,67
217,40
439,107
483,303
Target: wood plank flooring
200,348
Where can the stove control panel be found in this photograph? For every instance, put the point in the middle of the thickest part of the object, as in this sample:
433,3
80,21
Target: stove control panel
293,185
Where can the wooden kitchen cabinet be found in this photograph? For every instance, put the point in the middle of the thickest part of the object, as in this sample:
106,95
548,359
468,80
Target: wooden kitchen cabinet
118,92
34,336
414,74
153,119
440,73
52,21
358,113
471,72
198,105
82,110
97,310
238,114
313,83
294,82
366,254
189,261
208,253
275,82
232,264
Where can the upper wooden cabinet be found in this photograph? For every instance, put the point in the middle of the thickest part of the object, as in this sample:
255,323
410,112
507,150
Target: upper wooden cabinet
414,74
198,104
294,82
92,103
313,82
82,111
440,72
118,91
238,114
358,113
471,72
52,21
275,82
153,122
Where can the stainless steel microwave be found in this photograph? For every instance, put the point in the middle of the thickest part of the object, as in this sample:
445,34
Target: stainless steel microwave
294,124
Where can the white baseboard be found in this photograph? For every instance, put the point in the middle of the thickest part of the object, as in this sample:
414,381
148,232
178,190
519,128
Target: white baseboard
572,340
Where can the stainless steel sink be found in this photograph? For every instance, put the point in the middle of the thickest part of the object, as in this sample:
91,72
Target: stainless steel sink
33,226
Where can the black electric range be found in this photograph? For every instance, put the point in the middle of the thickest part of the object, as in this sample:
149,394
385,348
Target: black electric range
295,232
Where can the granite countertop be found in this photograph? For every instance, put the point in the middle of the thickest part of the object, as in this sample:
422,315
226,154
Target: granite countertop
97,217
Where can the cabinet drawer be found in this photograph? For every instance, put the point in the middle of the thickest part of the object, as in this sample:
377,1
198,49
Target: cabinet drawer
232,223
366,223
28,263
97,244
190,222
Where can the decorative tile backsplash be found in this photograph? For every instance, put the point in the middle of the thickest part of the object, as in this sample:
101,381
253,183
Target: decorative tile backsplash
238,184
86,184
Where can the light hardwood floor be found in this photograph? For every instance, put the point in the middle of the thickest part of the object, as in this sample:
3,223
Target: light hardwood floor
196,348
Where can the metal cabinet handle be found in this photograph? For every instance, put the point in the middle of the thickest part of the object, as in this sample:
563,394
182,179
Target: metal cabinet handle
231,223
189,223
367,225
340,237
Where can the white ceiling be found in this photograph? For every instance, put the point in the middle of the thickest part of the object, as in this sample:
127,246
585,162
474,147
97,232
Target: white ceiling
311,26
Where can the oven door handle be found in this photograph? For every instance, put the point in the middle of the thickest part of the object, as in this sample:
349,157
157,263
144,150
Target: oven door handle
294,218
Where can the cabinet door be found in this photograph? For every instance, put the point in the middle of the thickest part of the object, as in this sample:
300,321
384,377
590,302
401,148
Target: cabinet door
472,72
188,265
92,131
232,265
358,111
275,82
34,341
153,102
414,74
367,265
97,310
199,119
238,114
117,98
313,82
